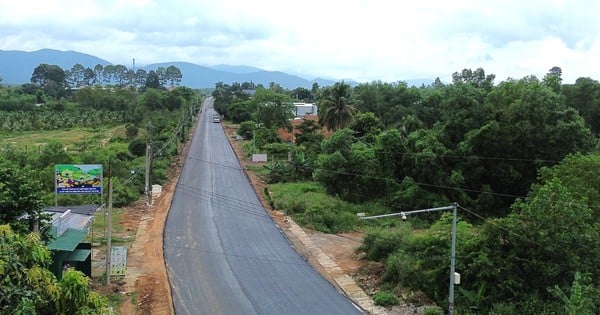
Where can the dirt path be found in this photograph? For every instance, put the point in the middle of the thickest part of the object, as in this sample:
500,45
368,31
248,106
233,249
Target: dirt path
146,285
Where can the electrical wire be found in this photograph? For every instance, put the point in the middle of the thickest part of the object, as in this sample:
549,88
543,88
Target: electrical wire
238,255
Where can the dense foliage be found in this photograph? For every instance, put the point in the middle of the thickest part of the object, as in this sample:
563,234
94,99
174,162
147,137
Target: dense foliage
106,119
520,157
28,287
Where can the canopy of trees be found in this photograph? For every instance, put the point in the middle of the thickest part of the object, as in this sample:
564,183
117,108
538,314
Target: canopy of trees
522,153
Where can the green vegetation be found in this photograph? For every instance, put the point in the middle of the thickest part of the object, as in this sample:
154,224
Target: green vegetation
28,287
520,157
385,298
109,120
314,209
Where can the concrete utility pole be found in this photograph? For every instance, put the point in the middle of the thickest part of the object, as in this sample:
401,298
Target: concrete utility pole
109,227
148,170
403,215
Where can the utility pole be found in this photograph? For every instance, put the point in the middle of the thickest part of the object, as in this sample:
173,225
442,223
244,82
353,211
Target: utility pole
403,215
109,227
148,170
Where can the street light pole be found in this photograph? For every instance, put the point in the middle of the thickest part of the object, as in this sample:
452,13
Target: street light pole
452,207
452,261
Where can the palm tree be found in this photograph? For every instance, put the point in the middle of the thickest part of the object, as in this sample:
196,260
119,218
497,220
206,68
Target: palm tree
336,108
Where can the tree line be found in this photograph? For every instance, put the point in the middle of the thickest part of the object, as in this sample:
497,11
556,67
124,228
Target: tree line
514,155
56,82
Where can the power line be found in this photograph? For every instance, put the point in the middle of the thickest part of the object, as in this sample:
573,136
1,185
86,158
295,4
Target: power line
489,221
230,203
475,157
238,255
419,183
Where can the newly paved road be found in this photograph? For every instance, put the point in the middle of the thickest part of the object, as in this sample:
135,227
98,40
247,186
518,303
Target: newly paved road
224,254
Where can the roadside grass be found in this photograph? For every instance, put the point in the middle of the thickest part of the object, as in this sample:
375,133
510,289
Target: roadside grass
258,169
311,207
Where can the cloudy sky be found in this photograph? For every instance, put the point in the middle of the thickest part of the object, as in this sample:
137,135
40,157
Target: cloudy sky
363,40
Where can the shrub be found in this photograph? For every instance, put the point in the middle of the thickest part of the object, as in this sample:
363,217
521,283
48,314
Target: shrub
433,311
328,220
246,130
137,147
385,298
380,243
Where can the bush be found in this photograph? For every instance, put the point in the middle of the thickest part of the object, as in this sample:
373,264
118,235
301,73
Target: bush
328,220
385,298
246,130
381,243
137,147
503,309
402,268
433,311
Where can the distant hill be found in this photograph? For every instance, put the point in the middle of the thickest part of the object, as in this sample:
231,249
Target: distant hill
196,76
235,69
16,67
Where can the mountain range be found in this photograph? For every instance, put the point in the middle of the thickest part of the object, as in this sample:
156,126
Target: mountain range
16,67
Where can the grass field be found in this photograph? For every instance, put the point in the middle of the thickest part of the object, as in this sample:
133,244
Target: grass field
73,138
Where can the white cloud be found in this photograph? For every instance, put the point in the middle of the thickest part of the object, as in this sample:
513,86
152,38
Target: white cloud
357,39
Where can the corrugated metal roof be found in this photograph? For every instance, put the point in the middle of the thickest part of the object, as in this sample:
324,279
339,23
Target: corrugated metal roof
68,220
80,209
68,241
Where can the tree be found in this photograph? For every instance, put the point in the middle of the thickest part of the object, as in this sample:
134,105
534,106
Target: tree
109,74
301,93
153,81
140,77
162,76
531,128
553,79
89,77
366,127
173,75
273,109
335,109
309,136
75,76
542,243
246,130
476,78
45,73
579,172
121,74
172,100
347,167
20,194
152,99
584,96
51,78
240,111
98,74
27,286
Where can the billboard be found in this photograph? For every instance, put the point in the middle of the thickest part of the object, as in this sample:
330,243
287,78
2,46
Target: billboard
78,178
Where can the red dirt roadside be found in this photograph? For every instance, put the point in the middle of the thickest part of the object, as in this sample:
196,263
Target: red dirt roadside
146,285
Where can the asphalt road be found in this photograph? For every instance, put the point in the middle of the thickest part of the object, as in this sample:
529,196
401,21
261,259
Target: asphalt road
223,252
